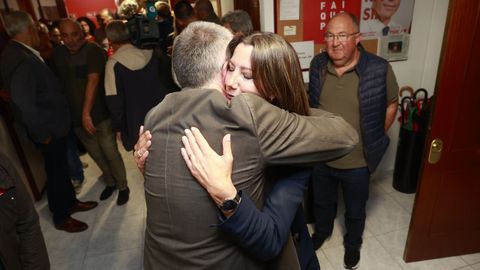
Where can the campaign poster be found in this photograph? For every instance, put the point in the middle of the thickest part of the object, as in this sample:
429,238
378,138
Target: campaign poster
317,13
389,21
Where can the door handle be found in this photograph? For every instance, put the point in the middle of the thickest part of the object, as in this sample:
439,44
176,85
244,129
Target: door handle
435,152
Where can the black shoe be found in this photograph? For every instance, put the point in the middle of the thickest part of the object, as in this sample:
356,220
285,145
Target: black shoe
107,192
352,258
123,196
317,242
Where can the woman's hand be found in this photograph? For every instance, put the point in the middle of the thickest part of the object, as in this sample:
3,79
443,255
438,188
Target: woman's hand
212,171
140,152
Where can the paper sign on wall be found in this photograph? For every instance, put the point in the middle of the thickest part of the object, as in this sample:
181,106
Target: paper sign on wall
290,30
289,10
305,52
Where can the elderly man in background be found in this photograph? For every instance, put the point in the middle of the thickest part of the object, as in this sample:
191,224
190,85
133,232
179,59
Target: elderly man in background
81,67
40,108
362,88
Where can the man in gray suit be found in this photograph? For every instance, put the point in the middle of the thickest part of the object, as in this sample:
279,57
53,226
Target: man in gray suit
180,213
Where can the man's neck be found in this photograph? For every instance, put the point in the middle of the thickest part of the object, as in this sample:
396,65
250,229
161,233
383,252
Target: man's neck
23,39
214,85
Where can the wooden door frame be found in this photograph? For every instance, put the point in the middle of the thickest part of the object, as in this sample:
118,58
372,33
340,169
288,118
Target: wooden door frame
252,7
456,52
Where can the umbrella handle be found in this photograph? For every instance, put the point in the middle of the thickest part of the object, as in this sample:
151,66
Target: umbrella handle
408,89
422,91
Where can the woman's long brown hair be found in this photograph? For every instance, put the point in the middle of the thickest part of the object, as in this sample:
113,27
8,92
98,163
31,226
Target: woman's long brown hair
276,71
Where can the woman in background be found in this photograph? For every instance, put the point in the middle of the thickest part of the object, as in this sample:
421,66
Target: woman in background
88,28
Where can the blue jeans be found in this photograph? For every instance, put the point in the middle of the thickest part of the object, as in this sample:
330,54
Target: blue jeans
75,167
355,185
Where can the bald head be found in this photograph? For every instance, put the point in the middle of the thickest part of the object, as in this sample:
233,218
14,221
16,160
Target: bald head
345,18
72,34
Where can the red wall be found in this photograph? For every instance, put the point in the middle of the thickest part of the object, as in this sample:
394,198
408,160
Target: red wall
78,8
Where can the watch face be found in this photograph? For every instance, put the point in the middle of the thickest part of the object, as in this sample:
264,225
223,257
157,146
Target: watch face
229,205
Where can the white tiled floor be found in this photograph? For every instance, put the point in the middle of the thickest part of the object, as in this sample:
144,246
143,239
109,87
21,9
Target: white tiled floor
114,239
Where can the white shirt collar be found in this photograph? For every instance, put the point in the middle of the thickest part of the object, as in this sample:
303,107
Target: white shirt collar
37,53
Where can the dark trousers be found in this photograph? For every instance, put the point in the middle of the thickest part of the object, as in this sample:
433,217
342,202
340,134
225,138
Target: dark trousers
75,166
60,192
355,185
303,245
102,147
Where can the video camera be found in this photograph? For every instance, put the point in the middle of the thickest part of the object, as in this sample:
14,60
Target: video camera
144,29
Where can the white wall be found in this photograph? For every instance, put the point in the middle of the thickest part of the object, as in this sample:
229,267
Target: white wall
419,71
227,5
267,17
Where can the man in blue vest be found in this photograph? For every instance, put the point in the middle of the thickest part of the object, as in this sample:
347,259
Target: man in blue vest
362,88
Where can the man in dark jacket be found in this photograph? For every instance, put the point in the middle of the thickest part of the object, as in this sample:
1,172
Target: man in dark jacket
21,240
135,81
40,107
360,87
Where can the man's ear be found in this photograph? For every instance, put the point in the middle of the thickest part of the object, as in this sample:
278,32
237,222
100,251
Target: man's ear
358,38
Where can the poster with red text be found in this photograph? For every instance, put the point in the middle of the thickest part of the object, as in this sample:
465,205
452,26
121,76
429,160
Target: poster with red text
317,13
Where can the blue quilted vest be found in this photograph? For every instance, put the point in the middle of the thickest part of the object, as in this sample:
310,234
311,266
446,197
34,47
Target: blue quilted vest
372,91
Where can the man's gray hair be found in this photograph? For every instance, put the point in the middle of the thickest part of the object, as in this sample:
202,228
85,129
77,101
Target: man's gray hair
17,22
199,53
239,21
117,32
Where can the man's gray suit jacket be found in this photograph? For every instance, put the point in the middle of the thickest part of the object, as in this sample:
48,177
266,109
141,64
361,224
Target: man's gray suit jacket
180,213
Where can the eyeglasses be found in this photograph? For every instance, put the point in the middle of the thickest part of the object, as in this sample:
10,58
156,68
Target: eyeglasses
342,37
